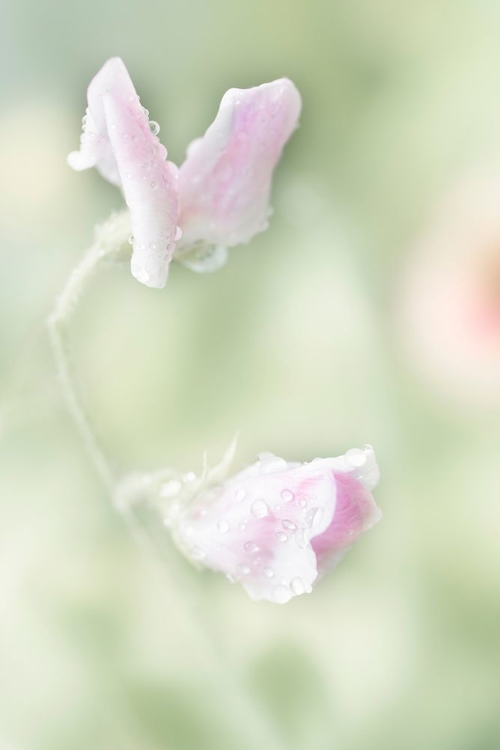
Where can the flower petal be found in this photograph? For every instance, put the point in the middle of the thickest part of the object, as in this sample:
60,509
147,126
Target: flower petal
119,141
355,512
225,181
274,524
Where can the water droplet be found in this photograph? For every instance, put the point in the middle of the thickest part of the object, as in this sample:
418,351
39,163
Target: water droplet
259,509
230,578
302,503
287,495
282,595
153,186
139,272
223,525
297,586
242,526
269,463
277,507
240,495
129,175
178,234
197,553
282,537
269,572
310,516
243,569
170,488
189,477
251,547
167,521
300,539
289,525
154,127
131,239
355,457
152,246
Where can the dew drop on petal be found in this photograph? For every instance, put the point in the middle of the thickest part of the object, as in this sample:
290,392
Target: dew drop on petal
240,495
131,239
154,127
356,457
282,537
289,525
242,526
244,570
251,547
297,586
223,525
287,495
300,539
310,516
197,553
259,509
281,595
269,572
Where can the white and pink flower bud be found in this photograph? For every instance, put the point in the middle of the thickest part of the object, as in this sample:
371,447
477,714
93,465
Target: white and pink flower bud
276,526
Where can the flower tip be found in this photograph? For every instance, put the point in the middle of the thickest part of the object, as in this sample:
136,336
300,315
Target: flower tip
114,63
154,281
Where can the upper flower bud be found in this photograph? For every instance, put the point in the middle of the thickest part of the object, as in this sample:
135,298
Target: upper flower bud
219,197
276,526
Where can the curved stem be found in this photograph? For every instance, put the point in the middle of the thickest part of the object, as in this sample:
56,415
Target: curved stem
58,333
245,714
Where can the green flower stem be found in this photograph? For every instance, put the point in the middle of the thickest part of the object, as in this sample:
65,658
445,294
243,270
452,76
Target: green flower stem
58,333
249,722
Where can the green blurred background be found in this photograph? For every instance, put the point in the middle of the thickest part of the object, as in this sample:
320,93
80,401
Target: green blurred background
296,342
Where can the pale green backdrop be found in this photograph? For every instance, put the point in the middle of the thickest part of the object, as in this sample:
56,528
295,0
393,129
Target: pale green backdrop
295,343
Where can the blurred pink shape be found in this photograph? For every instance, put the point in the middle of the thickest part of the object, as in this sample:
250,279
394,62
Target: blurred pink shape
276,525
220,196
449,301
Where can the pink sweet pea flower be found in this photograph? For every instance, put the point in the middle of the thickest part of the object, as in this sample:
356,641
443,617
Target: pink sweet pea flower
449,299
218,198
276,526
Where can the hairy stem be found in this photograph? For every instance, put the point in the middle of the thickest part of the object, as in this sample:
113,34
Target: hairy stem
58,333
245,715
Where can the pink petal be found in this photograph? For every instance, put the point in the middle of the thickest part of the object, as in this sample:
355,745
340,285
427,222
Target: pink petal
355,512
272,525
225,181
118,140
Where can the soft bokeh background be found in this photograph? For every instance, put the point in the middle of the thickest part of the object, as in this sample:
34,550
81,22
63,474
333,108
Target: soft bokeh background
299,342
